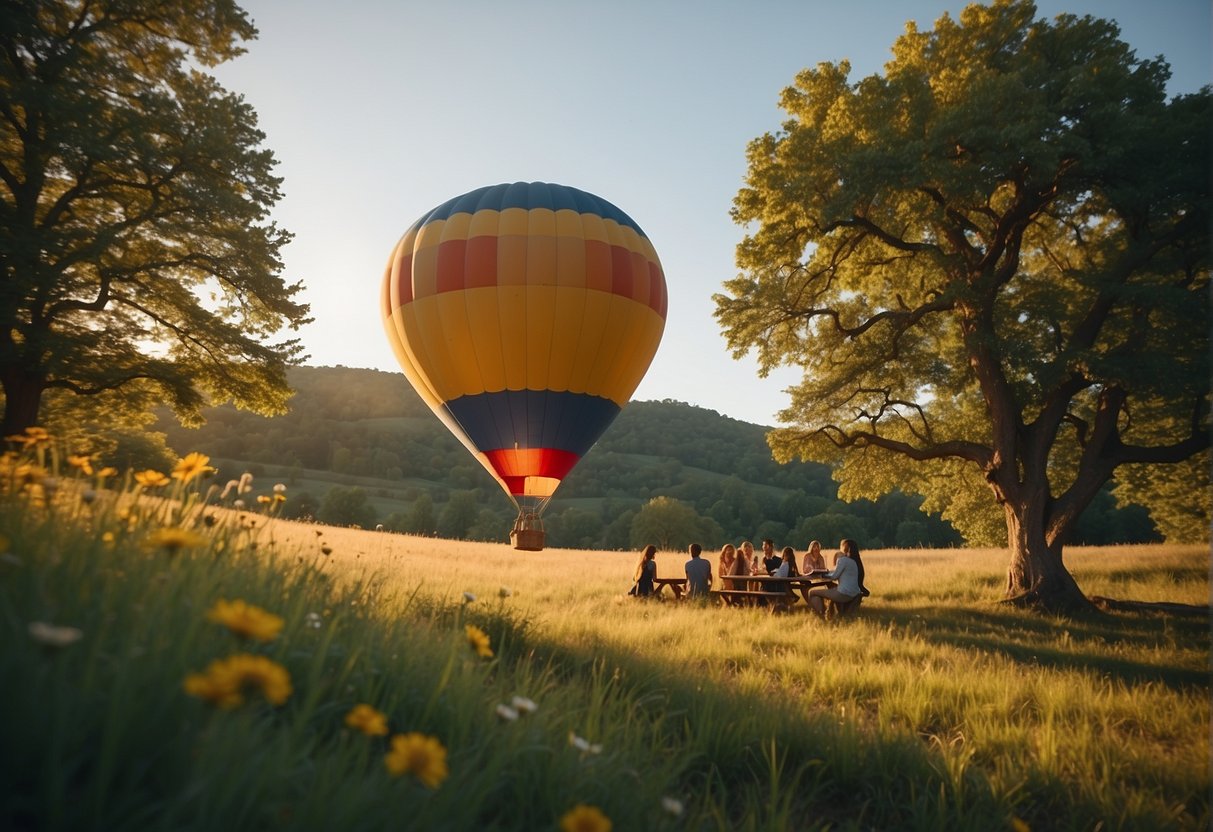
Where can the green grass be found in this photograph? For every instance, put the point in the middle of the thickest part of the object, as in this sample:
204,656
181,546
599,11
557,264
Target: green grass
937,709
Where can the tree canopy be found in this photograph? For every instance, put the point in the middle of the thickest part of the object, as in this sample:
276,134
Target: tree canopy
136,248
992,260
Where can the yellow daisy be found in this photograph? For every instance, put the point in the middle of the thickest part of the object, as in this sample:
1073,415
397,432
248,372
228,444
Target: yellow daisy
245,620
583,818
421,756
173,539
150,478
225,682
479,641
32,436
81,462
366,719
192,465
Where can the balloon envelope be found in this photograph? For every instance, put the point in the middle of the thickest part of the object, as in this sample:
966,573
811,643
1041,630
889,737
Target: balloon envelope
525,315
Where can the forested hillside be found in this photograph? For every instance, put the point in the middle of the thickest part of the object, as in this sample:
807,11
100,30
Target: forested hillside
359,447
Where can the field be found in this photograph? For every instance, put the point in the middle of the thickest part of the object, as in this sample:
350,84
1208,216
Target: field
938,708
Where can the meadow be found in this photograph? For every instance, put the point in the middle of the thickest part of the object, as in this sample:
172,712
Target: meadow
382,681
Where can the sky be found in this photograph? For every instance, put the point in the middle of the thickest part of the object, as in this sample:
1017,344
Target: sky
379,111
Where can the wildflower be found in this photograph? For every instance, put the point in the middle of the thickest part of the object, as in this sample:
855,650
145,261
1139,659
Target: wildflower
672,805
507,713
32,436
313,620
83,463
583,818
246,483
366,719
421,756
105,472
172,539
583,745
49,635
469,598
523,705
225,681
192,465
150,478
478,640
245,620
262,499
505,592
279,488
238,504
279,498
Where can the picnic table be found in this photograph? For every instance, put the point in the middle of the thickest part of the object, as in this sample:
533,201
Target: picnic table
676,585
781,590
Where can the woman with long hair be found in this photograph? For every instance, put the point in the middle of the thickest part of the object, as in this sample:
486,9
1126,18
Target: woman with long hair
646,572
813,558
728,554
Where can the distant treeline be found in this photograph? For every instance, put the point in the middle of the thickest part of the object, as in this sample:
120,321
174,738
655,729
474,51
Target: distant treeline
360,447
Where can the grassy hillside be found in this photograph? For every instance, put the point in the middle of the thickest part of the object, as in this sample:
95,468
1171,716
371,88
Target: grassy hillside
135,699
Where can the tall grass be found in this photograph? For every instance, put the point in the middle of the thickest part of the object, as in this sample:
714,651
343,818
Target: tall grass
936,709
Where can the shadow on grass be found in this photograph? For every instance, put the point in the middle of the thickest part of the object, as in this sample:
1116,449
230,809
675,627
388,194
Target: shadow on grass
1033,640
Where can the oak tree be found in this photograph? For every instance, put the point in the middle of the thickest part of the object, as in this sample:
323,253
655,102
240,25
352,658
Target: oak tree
991,263
137,255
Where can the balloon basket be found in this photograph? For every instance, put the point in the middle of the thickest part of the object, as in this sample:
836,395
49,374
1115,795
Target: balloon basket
527,534
527,540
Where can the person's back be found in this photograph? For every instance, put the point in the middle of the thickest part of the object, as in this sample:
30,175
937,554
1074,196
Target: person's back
741,568
698,572
846,575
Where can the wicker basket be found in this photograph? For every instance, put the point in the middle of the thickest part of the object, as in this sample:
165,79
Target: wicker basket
528,540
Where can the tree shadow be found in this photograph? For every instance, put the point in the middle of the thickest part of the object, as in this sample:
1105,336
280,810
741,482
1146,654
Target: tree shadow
1033,640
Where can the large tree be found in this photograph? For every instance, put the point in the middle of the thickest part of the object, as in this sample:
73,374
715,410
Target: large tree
136,249
992,264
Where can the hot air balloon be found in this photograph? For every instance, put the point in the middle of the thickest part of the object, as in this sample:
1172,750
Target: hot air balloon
525,315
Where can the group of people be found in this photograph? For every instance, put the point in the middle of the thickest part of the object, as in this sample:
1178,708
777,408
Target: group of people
737,564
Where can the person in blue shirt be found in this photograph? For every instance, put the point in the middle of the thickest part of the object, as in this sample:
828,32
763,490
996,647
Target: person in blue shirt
699,573
846,576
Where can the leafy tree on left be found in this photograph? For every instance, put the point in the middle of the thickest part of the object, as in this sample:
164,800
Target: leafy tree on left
139,262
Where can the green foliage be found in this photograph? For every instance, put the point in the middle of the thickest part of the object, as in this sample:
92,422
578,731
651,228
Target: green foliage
994,256
346,507
136,245
461,511
671,525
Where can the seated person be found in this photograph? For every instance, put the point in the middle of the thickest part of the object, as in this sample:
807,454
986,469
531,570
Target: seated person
787,564
646,572
770,560
741,567
728,554
814,559
698,572
845,574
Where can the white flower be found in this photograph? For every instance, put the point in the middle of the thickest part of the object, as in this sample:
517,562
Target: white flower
279,488
379,528
672,805
238,504
507,713
505,592
469,598
313,620
523,705
53,636
583,745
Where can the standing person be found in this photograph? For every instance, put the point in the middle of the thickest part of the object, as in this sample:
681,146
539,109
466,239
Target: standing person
646,571
770,560
813,558
699,573
728,555
845,575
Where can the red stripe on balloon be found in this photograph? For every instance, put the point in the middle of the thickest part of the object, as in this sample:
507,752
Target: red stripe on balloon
518,463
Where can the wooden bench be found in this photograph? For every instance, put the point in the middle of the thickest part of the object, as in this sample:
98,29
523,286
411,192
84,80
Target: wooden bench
750,597
845,609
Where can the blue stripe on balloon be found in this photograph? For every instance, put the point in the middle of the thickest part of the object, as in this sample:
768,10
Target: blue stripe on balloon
530,195
533,419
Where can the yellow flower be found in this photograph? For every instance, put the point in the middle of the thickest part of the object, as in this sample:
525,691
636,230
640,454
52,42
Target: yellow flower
82,462
245,620
1020,825
173,539
225,682
191,465
583,818
264,500
31,436
366,719
479,641
418,755
150,478
107,471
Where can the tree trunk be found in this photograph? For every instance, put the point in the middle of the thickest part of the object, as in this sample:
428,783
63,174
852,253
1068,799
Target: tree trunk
22,398
1036,577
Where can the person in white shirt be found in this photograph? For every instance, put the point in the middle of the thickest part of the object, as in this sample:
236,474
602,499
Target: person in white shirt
845,575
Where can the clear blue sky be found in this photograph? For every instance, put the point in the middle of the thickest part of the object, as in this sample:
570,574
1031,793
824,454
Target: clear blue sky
379,111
